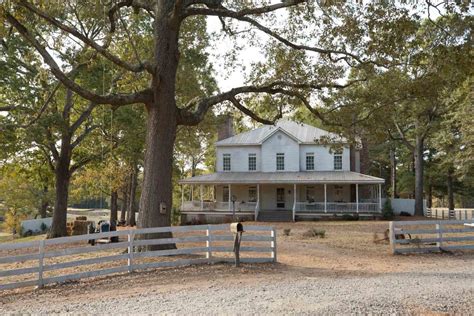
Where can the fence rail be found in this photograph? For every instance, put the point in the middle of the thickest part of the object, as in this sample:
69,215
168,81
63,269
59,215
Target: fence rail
334,207
444,213
431,236
201,243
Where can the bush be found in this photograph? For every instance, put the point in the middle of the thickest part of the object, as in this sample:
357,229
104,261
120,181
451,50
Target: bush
350,217
314,232
286,231
405,214
13,221
387,210
43,227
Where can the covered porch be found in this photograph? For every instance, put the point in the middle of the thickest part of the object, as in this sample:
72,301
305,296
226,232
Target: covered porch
299,194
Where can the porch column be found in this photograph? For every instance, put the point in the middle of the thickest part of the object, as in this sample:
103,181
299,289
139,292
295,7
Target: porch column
257,207
294,202
357,197
230,194
202,201
380,197
182,197
325,199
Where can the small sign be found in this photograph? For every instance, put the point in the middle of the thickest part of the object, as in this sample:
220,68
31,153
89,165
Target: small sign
162,208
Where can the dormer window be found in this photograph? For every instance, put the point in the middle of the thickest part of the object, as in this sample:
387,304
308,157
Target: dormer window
252,162
226,162
309,161
338,160
280,161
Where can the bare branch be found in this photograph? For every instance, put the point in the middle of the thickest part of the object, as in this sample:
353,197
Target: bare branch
84,134
251,114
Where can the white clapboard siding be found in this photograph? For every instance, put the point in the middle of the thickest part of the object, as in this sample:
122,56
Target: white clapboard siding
127,261
420,243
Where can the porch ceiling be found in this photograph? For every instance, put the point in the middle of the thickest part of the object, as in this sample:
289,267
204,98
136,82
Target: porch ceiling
309,177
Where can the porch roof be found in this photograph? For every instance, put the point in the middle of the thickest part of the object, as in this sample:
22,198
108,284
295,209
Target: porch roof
308,177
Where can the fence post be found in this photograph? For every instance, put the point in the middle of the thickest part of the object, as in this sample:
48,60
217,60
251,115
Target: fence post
436,213
465,214
274,245
391,230
208,245
131,237
442,214
40,264
439,244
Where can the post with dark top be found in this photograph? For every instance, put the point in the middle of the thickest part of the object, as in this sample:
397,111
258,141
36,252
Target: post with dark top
237,229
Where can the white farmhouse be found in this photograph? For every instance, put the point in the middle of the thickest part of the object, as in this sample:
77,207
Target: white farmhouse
281,172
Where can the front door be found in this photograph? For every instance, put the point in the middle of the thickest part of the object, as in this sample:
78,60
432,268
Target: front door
280,198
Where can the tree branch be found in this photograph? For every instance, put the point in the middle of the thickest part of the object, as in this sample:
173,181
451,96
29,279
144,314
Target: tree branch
144,96
81,137
89,42
242,15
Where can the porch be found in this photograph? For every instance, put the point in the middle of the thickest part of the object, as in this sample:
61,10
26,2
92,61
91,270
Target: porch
306,199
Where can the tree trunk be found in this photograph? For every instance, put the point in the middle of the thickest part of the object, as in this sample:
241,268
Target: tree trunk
132,198
161,126
429,198
123,209
44,203
113,206
418,155
393,173
62,178
450,190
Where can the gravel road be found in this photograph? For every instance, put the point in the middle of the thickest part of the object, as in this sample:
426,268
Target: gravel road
406,293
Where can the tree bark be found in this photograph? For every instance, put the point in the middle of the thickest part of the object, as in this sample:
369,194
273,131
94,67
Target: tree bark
393,173
429,198
62,179
132,207
113,205
450,190
44,203
418,155
161,126
123,210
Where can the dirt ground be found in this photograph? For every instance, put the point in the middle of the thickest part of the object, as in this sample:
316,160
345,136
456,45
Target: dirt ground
346,261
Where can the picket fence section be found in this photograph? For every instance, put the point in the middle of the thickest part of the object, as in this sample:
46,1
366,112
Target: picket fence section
211,235
444,213
431,236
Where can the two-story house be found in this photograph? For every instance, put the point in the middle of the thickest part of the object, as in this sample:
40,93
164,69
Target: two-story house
281,172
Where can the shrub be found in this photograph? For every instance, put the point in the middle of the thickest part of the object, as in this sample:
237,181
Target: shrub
350,217
405,214
286,231
387,211
13,221
314,232
43,227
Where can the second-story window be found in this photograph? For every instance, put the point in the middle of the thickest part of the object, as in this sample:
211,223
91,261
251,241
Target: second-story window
252,162
309,161
280,161
226,162
338,161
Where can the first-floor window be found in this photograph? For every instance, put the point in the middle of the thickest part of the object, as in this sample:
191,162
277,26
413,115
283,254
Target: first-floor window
280,161
338,161
252,162
252,194
226,162
225,194
309,161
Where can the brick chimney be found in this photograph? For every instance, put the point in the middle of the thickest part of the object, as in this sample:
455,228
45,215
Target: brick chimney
226,127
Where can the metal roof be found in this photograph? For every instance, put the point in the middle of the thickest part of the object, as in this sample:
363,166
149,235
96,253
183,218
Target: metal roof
283,177
303,133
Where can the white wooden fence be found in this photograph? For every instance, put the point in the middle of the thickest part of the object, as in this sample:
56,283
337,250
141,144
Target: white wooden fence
445,213
197,245
431,236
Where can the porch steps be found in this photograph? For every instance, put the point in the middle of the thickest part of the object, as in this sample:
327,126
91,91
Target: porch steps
275,216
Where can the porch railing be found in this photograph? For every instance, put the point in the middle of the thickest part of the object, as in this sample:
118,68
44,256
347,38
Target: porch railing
336,207
218,206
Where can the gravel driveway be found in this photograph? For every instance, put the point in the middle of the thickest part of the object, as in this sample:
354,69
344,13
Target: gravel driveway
263,294
345,273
